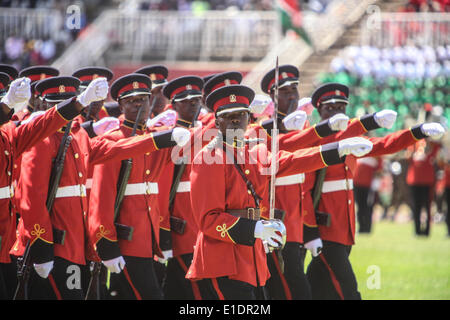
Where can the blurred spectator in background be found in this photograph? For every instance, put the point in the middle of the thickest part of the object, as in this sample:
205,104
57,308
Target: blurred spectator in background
421,178
365,187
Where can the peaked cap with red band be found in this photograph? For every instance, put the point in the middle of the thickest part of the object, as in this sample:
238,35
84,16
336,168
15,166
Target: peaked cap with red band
221,80
86,75
36,73
287,75
4,82
208,77
186,87
157,73
57,89
330,93
10,70
230,98
132,84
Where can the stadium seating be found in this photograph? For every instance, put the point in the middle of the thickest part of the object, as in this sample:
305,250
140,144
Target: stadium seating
405,79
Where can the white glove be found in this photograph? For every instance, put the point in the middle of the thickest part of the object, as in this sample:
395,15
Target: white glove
357,146
43,269
18,94
167,255
295,121
181,136
271,231
433,130
105,124
315,246
96,90
33,116
385,118
338,122
167,118
259,104
115,265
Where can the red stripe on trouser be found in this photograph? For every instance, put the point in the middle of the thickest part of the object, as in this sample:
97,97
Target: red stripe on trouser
216,287
287,291
194,285
127,276
334,280
54,287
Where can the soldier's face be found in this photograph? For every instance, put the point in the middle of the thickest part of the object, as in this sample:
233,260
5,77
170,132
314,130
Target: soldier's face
234,123
158,100
188,109
330,109
96,106
35,103
286,96
130,106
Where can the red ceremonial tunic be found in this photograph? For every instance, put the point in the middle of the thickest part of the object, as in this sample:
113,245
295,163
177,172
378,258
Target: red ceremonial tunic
139,207
340,203
14,141
70,206
225,243
421,171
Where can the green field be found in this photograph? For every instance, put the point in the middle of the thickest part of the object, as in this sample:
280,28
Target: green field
392,263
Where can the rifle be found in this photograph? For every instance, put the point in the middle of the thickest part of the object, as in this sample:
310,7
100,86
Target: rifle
322,218
176,224
123,231
24,262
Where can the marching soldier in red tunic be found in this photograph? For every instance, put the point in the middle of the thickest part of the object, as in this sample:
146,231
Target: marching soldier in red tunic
15,140
229,223
158,74
330,272
58,255
125,226
184,229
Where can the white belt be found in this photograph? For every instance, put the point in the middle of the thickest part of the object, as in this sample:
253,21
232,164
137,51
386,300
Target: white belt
288,180
6,192
337,185
141,188
89,183
78,190
184,186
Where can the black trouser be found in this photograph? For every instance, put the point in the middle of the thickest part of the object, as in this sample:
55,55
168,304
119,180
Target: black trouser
364,198
421,198
137,281
8,279
177,287
331,275
226,289
64,282
292,283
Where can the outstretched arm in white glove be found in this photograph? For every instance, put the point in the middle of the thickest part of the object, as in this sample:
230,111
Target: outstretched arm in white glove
295,121
433,130
96,90
385,118
181,136
105,124
18,94
356,146
338,122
